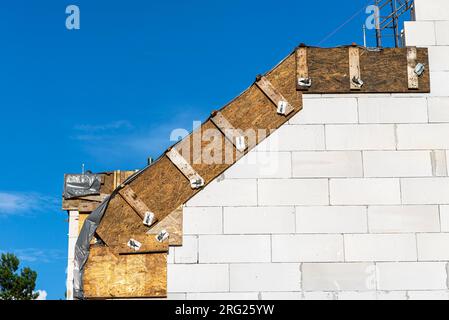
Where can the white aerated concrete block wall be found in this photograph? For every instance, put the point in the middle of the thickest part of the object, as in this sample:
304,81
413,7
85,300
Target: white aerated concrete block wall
349,200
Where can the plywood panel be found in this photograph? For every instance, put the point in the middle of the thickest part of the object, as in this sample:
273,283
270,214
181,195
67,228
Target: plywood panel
125,276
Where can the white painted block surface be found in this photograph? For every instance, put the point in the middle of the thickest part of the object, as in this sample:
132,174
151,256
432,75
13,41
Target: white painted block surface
316,295
402,219
423,136
380,247
259,220
438,58
188,252
438,83
364,191
234,248
393,110
439,163
444,214
327,110
431,10
331,219
425,190
285,192
420,33
227,192
439,108
197,278
356,296
339,276
261,165
411,276
203,220
433,247
397,164
223,296
307,248
294,138
327,164
265,277
442,34
428,295
392,295
360,137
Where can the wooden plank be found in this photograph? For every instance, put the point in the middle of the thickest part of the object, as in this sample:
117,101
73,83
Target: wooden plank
109,276
413,79
302,70
274,95
232,134
135,202
354,68
173,224
81,218
196,181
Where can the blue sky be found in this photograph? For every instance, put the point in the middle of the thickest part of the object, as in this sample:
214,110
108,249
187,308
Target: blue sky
109,94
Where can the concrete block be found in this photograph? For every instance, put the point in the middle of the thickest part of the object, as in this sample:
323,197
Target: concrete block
411,276
223,296
444,214
339,276
402,219
433,246
438,58
198,278
265,277
364,191
423,136
393,110
428,295
188,253
439,108
327,164
227,192
438,83
420,33
203,220
234,248
171,255
380,247
431,10
259,220
442,35
356,296
331,219
425,190
327,110
261,165
392,295
439,163
360,137
286,138
397,164
307,248
285,192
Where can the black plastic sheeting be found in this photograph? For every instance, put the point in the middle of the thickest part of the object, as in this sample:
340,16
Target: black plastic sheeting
81,185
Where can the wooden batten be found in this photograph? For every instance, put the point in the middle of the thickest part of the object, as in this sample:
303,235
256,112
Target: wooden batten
302,70
135,202
355,75
173,225
274,95
196,181
149,244
413,79
229,131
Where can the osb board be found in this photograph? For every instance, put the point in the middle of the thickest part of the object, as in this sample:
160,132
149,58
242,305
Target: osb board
382,71
162,187
124,276
81,218
149,244
173,225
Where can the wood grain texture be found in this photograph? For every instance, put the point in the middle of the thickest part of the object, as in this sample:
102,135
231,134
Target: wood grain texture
149,244
173,224
109,276
135,202
274,95
228,130
384,71
413,80
302,69
354,68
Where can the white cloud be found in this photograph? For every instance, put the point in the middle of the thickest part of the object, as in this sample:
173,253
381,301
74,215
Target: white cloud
25,202
35,255
42,295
